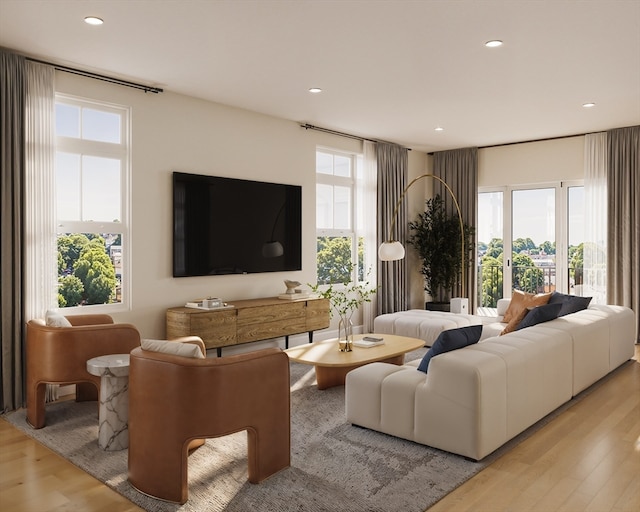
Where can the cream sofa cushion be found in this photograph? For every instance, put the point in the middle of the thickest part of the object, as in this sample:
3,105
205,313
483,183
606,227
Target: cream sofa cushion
184,348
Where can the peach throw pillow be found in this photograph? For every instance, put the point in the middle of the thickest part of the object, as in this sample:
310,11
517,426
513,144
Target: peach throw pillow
514,322
520,301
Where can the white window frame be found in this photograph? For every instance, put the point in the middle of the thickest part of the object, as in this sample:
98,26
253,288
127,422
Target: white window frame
561,227
122,152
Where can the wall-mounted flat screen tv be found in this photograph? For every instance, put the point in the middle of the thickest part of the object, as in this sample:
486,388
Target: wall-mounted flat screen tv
233,226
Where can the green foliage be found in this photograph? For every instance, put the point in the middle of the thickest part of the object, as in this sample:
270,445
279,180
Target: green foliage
435,235
101,287
576,263
85,269
523,244
61,266
576,256
334,257
548,247
492,280
495,248
69,249
345,296
526,276
70,291
95,270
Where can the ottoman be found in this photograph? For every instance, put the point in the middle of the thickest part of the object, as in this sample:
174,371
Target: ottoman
418,323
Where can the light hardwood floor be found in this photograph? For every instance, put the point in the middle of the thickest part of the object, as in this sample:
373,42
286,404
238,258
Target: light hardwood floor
586,460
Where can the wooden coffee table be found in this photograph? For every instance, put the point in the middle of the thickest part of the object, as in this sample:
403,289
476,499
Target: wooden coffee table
332,365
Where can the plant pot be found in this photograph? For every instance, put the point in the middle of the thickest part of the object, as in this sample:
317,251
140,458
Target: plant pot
438,306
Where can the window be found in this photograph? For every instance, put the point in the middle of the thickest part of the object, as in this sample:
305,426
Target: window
541,229
92,169
339,241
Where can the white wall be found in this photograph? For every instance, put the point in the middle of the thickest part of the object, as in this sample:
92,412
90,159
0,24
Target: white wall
174,132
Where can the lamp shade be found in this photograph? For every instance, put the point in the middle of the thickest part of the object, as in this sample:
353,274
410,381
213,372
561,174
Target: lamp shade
391,251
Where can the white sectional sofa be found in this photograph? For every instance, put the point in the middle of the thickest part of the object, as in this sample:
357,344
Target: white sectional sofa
475,399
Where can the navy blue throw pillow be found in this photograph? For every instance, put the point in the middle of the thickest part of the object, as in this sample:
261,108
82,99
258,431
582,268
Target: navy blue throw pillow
451,339
558,298
540,314
570,303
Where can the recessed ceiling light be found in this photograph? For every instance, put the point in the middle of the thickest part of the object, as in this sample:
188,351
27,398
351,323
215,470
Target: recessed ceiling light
439,129
93,20
493,44
588,105
315,90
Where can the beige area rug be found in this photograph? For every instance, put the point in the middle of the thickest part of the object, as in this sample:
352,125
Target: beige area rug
334,465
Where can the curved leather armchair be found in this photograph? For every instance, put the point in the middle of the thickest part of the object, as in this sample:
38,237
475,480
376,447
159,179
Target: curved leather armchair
174,400
59,355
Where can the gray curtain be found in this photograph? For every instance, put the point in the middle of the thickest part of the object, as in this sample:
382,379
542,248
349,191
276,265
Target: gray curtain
392,179
13,93
458,168
623,236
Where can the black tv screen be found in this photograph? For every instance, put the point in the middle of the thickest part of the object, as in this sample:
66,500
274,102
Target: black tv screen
233,226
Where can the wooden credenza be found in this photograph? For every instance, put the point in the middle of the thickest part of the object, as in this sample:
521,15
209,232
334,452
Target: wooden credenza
249,320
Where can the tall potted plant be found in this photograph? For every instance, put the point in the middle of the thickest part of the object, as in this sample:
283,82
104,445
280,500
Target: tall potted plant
435,235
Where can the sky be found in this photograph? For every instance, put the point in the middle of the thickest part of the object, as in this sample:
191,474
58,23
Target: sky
533,215
88,186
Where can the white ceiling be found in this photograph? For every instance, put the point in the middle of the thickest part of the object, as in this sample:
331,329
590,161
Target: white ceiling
390,70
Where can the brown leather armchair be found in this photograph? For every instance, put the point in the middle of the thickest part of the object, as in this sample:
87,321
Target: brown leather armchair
59,355
176,400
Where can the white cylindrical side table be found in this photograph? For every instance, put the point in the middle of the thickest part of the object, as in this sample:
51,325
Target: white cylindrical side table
113,370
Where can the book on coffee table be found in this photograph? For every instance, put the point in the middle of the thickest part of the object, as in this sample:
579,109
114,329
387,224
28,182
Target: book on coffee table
367,343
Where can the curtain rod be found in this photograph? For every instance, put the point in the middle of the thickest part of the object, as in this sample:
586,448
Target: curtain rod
97,76
308,126
559,137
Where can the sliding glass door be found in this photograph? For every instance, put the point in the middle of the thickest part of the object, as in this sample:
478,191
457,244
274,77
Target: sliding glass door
540,230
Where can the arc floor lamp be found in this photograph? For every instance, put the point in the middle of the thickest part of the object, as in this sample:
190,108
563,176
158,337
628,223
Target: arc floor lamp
393,250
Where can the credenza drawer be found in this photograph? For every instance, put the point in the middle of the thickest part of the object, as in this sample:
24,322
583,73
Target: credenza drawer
216,328
317,314
267,330
276,313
